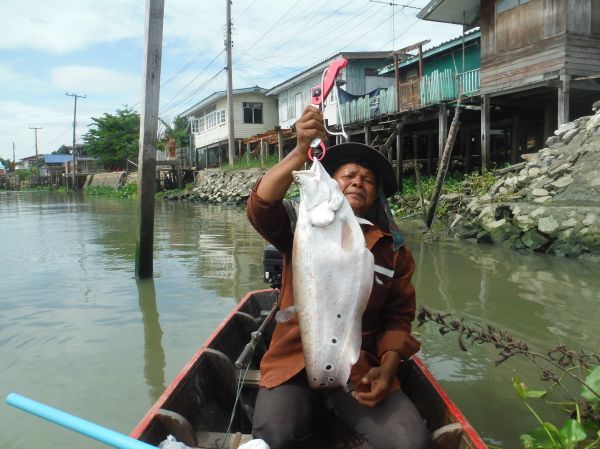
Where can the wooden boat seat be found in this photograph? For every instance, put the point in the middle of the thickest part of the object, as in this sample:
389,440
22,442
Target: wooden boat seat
250,378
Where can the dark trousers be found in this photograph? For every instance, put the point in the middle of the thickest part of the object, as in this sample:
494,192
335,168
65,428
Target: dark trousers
293,415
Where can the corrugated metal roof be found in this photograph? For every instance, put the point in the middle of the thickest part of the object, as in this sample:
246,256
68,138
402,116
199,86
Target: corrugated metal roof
459,12
454,42
57,158
215,96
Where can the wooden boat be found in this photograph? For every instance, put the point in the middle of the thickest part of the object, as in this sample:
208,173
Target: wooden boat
196,408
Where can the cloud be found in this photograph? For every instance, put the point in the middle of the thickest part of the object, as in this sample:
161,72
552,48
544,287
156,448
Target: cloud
96,80
61,26
11,77
17,117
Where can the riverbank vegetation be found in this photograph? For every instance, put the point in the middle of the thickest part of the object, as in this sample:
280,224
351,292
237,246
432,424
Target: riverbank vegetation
408,202
127,191
572,379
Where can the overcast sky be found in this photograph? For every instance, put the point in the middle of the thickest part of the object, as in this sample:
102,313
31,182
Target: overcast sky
95,48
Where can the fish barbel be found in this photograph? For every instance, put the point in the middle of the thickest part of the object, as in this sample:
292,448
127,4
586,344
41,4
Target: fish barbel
333,277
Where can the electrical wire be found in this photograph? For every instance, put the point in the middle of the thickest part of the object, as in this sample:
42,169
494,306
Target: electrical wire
269,29
193,95
194,78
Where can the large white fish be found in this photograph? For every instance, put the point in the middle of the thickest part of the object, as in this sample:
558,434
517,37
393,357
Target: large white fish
333,277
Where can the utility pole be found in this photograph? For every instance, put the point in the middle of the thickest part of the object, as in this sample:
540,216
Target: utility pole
148,137
75,96
35,128
231,139
14,158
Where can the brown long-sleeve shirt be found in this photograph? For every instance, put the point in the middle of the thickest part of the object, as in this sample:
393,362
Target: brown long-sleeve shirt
386,323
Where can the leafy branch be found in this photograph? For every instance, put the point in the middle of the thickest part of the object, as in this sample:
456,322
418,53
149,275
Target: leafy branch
559,357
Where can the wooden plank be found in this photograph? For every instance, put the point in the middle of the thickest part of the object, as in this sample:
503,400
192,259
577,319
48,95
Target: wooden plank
555,18
579,13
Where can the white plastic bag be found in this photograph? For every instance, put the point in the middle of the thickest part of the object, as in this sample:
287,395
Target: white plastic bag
254,444
172,443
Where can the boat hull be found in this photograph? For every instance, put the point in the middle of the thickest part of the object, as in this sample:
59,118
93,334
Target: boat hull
196,407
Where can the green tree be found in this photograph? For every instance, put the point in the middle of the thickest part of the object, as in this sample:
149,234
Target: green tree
8,165
178,131
63,150
114,138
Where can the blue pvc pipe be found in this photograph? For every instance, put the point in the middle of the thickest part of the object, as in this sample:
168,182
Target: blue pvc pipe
87,428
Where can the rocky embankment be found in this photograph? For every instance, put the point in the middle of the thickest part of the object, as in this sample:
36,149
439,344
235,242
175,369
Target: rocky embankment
217,186
549,203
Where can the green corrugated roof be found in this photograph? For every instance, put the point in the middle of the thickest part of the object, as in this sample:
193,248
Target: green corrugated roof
469,36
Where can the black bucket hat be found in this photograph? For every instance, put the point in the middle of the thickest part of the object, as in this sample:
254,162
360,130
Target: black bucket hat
364,155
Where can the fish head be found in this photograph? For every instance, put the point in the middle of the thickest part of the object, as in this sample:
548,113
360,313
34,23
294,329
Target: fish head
318,190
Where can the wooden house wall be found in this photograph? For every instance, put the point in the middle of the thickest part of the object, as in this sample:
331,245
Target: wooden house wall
583,55
537,41
523,45
583,37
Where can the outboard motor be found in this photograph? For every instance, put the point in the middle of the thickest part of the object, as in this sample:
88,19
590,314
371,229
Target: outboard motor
273,265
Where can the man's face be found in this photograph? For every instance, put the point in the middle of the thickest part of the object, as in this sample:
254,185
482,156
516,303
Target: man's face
359,186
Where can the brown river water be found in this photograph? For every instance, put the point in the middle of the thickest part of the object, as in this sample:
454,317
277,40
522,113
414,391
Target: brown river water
79,333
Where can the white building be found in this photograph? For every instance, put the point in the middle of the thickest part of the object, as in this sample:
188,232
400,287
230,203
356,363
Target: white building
253,113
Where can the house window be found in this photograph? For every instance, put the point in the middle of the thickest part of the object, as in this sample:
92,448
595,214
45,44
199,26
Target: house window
283,110
211,120
253,112
194,124
505,5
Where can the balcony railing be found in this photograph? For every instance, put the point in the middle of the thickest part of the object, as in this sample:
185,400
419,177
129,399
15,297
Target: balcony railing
468,82
438,87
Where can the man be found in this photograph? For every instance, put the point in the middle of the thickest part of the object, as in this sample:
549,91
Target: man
375,408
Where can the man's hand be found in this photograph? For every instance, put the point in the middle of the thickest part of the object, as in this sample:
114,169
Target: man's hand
309,126
277,180
381,380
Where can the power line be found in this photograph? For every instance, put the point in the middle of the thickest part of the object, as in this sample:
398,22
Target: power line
315,51
269,29
192,96
193,79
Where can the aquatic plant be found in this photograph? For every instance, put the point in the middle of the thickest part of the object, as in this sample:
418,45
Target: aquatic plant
557,366
127,191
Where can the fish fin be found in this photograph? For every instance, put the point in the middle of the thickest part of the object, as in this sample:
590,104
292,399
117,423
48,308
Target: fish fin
283,316
336,197
347,236
321,215
364,221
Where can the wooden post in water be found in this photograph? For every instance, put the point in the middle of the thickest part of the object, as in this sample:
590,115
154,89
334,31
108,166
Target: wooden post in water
485,131
443,166
262,153
148,136
279,143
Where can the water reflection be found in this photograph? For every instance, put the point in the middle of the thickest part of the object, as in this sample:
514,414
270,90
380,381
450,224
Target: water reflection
154,354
